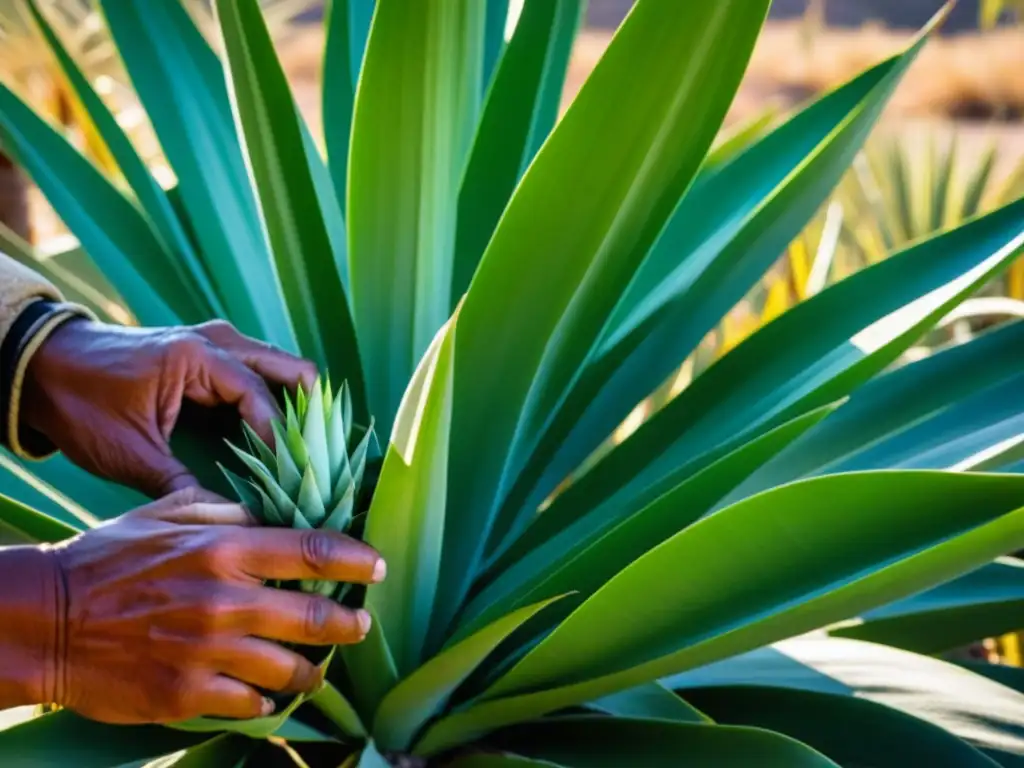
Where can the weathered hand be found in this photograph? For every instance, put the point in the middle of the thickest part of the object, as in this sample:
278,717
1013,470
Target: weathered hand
167,617
109,397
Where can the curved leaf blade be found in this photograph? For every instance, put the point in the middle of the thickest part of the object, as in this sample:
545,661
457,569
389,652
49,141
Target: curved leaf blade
420,696
287,196
407,515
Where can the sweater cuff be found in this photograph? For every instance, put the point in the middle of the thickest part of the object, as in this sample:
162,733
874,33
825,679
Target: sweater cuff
27,334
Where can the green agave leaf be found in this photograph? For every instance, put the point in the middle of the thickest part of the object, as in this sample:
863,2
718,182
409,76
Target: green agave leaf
260,448
337,442
1011,677
348,25
286,193
310,503
287,468
981,432
63,738
181,84
107,224
314,437
85,497
585,554
789,579
523,339
936,526
415,114
226,751
293,730
329,200
847,333
407,515
32,524
985,714
371,758
603,742
423,693
731,142
371,668
723,236
248,494
516,118
889,404
988,602
498,761
176,272
494,38
848,730
651,701
332,703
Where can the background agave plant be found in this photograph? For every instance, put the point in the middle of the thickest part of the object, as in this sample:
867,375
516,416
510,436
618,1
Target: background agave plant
499,294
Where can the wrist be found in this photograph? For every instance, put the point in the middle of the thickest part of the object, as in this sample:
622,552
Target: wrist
44,360
32,634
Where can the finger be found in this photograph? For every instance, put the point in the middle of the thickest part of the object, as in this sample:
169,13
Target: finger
273,553
266,665
205,513
159,474
220,379
269,362
220,696
295,617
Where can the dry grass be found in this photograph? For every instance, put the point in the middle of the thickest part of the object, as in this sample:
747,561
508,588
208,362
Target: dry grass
967,76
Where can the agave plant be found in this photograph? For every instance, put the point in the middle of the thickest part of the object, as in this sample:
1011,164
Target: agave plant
498,292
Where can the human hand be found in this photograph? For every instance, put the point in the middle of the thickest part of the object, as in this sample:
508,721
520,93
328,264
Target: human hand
109,397
167,617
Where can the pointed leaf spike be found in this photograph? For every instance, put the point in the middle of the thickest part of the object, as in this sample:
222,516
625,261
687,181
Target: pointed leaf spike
296,445
301,402
314,435
337,442
271,514
346,411
311,506
328,395
341,516
288,474
277,495
246,491
260,448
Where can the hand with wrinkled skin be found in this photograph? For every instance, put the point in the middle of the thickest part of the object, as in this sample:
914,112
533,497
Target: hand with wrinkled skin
108,397
167,616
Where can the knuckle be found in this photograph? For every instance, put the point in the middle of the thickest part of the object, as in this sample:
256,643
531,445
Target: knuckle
188,344
213,612
183,497
317,625
318,551
177,699
219,554
215,327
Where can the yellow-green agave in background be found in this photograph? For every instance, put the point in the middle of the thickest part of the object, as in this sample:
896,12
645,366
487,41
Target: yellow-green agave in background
499,292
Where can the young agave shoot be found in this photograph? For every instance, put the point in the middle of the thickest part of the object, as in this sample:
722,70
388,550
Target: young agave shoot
312,476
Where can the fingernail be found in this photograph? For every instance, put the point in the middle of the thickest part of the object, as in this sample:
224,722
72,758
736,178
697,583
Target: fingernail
267,707
380,571
365,622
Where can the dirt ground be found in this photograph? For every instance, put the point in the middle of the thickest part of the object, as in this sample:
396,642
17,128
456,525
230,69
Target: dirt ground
970,84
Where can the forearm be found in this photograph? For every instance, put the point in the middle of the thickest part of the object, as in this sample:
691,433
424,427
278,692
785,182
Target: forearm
31,625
